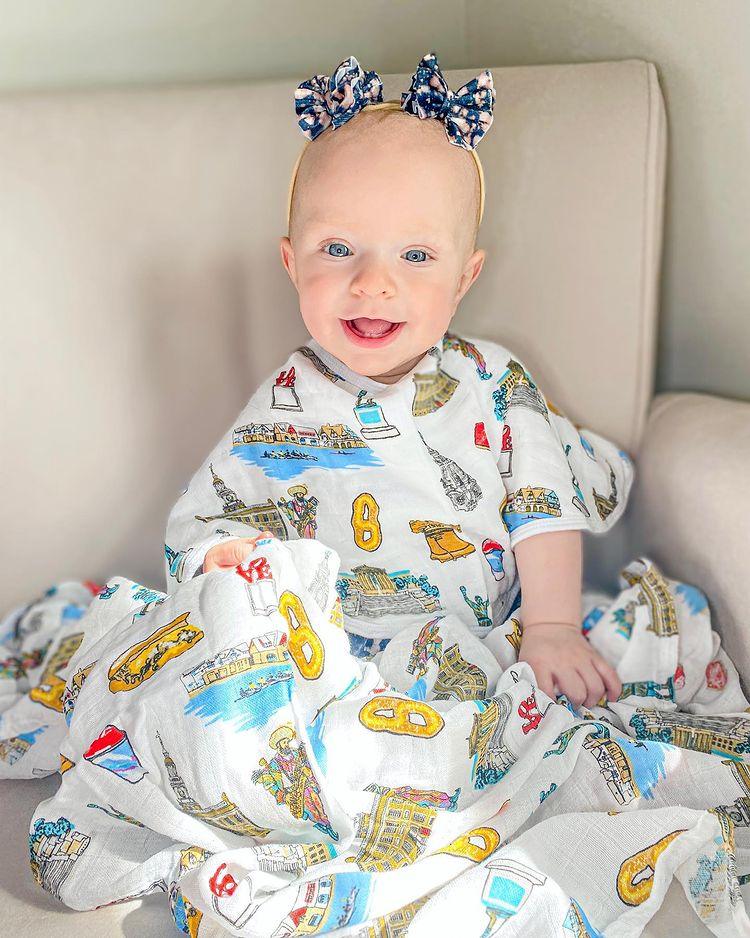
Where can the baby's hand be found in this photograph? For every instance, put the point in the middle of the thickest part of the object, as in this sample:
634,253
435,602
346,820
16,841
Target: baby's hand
227,554
562,657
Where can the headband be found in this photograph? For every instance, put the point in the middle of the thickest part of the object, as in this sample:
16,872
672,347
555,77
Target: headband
323,101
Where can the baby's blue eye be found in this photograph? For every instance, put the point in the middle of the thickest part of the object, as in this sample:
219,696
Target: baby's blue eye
336,244
416,251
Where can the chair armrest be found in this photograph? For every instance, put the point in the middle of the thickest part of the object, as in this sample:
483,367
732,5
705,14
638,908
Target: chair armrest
690,507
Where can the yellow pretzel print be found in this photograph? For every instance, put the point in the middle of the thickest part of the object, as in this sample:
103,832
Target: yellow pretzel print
475,845
305,647
367,531
402,717
636,876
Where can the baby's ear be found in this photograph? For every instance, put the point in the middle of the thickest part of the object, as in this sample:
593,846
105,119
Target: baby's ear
287,258
471,270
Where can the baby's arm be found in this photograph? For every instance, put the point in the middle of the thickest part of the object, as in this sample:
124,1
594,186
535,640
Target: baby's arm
549,568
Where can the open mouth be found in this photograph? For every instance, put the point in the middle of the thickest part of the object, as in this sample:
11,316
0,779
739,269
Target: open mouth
368,331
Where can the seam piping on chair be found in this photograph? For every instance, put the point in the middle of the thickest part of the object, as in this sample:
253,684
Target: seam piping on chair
639,418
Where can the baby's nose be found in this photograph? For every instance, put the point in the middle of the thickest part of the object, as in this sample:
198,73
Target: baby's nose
373,279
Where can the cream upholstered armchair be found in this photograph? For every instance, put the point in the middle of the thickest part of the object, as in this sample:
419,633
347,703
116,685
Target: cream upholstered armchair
143,299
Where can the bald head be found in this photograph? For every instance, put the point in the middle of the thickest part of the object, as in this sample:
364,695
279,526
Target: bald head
398,165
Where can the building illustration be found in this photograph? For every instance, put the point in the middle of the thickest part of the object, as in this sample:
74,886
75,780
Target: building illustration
395,924
655,593
394,832
224,814
463,490
54,847
432,391
606,504
516,387
370,591
727,736
456,677
262,516
654,689
16,747
614,767
459,678
492,758
292,858
739,811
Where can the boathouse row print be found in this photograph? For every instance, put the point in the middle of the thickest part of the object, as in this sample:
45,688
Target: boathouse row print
527,504
243,685
371,591
285,450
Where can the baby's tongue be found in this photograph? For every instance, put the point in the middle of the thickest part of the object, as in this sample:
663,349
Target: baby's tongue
371,327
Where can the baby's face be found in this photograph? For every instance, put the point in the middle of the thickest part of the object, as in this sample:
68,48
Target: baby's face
381,248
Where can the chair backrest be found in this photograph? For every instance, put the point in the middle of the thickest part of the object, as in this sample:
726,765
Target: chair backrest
143,295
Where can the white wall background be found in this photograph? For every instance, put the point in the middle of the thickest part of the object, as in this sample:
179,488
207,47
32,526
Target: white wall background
700,48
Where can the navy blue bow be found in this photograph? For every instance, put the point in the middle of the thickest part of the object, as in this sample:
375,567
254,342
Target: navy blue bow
466,113
322,101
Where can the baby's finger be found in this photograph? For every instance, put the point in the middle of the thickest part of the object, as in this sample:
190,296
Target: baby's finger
612,682
572,685
236,551
545,682
594,686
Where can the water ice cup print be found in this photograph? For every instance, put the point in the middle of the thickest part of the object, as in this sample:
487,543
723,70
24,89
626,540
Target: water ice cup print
326,723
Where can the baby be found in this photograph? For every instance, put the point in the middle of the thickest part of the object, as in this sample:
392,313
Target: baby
432,464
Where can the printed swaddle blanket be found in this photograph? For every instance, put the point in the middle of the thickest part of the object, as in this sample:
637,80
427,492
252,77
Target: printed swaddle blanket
223,745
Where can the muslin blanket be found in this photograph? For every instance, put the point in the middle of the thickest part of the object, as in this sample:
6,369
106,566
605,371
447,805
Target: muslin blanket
222,745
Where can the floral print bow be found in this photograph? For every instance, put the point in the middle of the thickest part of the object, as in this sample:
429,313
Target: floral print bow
321,100
466,113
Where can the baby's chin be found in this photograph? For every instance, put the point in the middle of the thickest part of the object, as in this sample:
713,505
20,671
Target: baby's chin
384,359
